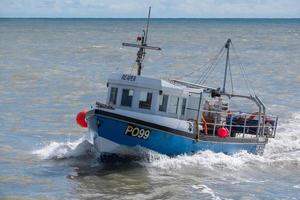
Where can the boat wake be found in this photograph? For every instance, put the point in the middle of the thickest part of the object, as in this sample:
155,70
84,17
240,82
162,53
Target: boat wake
282,151
62,150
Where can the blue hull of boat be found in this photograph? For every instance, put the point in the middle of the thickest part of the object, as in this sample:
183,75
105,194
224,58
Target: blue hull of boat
162,141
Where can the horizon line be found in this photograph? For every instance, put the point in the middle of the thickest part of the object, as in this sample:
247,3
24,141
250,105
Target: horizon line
151,18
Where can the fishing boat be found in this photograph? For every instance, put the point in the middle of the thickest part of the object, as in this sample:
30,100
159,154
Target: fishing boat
174,117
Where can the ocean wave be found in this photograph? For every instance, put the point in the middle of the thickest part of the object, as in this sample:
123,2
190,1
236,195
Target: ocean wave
287,138
206,190
61,150
296,186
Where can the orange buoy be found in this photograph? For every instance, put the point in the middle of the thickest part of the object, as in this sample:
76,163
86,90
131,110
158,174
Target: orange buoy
80,119
223,132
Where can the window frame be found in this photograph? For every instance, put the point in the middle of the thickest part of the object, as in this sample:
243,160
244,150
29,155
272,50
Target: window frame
161,98
170,104
183,106
113,99
130,105
140,102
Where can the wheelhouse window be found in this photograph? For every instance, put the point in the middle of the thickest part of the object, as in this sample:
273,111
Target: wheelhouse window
163,103
145,100
127,96
183,105
173,107
113,95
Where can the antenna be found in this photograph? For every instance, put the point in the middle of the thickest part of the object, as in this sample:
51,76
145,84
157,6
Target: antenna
142,46
148,20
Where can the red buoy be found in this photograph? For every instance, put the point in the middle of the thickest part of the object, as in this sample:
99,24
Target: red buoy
80,119
223,132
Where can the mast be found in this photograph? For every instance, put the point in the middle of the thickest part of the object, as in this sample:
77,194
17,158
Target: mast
142,45
148,20
227,46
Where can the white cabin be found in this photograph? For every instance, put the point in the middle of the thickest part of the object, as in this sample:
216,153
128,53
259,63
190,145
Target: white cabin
152,96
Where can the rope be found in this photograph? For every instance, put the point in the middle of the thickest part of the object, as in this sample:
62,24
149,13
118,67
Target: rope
210,66
132,67
204,124
206,65
243,71
213,67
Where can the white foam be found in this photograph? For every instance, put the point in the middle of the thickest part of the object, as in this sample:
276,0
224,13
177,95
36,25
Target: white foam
282,151
59,150
208,160
206,190
287,138
98,46
296,186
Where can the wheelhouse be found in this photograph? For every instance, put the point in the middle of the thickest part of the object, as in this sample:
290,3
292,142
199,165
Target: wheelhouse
147,95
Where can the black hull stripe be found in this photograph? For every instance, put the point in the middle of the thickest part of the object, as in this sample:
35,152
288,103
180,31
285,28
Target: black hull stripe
174,131
144,123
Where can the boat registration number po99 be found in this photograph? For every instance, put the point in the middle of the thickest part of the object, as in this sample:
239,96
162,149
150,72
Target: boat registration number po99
137,132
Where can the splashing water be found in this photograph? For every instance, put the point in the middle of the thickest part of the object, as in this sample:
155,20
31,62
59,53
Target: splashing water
287,139
206,190
60,150
284,150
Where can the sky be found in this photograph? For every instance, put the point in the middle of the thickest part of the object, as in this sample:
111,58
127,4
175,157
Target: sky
160,8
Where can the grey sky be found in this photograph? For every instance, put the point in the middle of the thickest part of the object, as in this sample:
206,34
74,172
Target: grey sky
160,8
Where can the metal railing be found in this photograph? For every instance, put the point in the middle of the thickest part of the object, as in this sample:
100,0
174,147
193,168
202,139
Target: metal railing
240,123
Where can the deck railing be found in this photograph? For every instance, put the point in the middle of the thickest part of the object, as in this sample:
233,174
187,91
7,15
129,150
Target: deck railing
239,123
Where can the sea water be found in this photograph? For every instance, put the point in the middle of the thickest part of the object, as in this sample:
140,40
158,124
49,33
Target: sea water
50,69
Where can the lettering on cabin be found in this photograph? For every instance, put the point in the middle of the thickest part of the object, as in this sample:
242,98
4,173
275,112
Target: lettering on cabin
128,77
134,131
